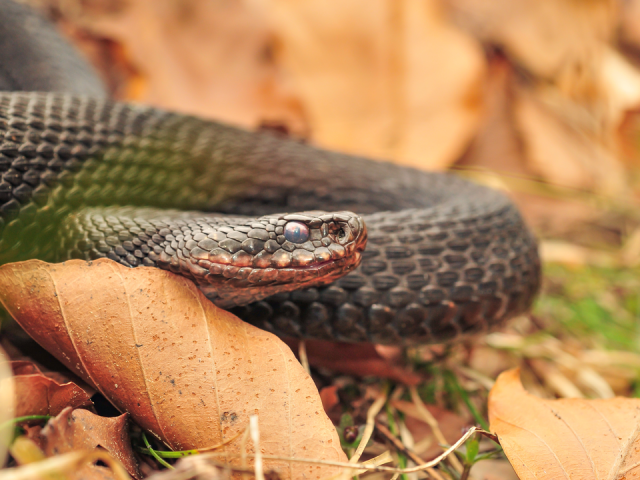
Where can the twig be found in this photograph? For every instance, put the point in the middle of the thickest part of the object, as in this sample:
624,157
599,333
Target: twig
379,460
361,466
403,448
243,451
304,360
433,423
374,409
255,438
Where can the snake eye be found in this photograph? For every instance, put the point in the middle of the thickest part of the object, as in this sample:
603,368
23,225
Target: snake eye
296,232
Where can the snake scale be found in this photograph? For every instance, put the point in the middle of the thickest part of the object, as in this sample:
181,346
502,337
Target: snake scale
85,177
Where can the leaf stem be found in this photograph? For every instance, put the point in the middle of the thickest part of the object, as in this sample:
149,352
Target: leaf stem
154,454
26,418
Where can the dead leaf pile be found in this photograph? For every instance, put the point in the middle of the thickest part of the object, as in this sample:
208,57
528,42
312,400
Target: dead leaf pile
535,90
186,371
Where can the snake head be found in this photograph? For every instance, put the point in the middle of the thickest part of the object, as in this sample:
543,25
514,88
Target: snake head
247,260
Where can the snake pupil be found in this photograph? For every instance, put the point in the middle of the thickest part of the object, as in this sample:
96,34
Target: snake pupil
296,232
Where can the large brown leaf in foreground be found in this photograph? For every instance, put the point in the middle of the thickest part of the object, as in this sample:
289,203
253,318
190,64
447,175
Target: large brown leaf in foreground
566,438
184,369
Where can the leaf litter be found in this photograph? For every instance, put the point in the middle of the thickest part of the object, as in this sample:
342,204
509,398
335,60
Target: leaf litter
495,88
184,370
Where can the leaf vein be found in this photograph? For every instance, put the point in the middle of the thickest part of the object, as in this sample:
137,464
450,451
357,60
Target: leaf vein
539,438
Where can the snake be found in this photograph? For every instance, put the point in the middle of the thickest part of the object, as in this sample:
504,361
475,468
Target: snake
262,223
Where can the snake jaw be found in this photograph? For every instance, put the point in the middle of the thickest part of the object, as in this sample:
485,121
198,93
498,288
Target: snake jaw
333,248
233,260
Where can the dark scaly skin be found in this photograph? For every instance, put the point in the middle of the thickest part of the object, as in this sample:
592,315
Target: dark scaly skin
455,257
445,257
34,57
234,260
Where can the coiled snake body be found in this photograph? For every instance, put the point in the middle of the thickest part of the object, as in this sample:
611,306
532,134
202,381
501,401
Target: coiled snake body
79,175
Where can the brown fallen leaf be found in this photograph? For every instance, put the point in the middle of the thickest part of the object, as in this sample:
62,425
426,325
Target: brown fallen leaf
188,372
210,59
329,397
361,359
39,394
382,78
566,438
563,146
80,430
493,470
548,36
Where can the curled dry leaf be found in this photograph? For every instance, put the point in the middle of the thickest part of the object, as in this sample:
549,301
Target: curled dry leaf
566,438
361,359
39,394
188,372
329,397
82,430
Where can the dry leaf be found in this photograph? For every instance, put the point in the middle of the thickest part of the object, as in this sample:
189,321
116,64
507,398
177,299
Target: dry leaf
185,370
39,394
211,59
380,78
566,438
547,36
493,470
75,430
361,359
564,152
329,397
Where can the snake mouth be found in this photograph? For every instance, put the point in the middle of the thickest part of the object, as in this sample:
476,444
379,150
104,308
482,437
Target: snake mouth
254,284
239,277
232,285
238,264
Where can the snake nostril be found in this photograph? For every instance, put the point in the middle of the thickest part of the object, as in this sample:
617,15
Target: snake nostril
341,236
296,232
